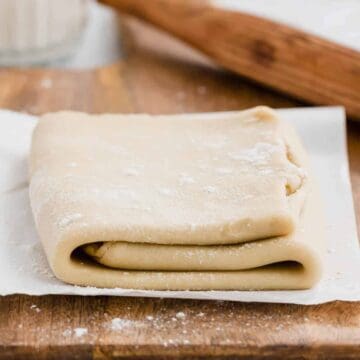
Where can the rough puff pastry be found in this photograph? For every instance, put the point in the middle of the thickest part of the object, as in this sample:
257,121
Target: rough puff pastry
183,202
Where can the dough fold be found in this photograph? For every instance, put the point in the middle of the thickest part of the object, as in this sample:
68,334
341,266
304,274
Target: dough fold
176,202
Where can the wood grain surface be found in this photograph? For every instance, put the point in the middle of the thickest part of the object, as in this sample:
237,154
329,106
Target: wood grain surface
284,58
162,76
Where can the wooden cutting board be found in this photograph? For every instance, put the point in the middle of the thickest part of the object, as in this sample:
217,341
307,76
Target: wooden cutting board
160,75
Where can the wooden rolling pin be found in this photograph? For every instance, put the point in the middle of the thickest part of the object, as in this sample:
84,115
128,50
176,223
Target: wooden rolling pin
283,58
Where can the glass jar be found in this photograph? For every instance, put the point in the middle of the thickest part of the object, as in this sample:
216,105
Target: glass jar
39,31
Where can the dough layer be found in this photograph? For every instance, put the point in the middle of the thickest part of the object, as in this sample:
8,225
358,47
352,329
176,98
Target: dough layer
182,202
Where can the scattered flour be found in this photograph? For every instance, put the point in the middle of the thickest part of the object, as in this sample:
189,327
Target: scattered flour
67,332
180,315
72,164
186,179
80,331
166,191
35,308
69,219
224,171
210,189
119,324
131,172
257,155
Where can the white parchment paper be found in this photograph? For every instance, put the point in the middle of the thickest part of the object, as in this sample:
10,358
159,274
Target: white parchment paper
24,268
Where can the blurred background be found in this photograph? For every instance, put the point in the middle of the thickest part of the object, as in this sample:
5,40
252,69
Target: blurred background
85,34
239,53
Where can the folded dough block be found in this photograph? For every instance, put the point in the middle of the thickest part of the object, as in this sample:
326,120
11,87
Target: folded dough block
183,202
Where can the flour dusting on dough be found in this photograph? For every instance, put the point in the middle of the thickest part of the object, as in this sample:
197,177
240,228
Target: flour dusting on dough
224,171
258,154
166,191
131,171
186,179
210,189
69,219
